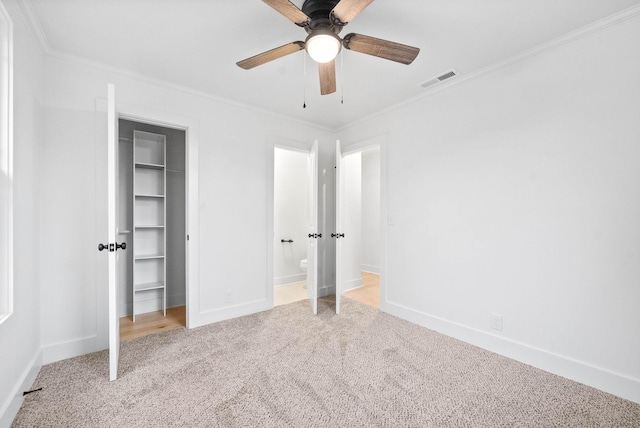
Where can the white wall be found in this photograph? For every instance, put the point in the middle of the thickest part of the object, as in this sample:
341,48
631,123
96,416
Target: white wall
528,207
352,221
232,163
290,221
20,334
523,188
370,260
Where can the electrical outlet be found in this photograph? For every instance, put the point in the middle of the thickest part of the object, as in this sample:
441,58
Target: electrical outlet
496,322
227,296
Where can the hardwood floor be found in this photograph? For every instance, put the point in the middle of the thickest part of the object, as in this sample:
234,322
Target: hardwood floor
289,293
369,293
153,322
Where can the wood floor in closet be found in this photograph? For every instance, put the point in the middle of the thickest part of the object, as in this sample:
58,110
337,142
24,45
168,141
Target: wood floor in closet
152,322
155,322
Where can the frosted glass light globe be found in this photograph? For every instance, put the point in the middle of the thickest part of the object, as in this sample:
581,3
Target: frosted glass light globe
323,47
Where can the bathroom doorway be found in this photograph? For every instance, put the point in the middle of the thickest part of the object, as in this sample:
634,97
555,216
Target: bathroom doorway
290,224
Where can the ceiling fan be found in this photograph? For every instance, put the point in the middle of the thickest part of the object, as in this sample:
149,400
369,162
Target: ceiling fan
323,20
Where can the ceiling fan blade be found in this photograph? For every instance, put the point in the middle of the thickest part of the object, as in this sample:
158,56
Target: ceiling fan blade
267,56
381,48
346,10
289,11
327,73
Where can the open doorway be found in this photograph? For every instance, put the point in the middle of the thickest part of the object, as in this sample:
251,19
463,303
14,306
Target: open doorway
360,211
290,224
152,221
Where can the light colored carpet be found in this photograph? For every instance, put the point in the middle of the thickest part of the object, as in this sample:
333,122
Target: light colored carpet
289,368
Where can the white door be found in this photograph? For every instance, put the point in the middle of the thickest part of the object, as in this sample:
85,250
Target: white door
314,234
113,246
338,235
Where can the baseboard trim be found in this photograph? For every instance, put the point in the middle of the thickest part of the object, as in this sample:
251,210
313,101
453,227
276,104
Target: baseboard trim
203,318
10,408
150,305
326,290
352,284
289,279
596,377
174,300
370,269
72,348
124,309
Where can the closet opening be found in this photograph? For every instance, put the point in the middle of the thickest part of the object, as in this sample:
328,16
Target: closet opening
152,283
361,207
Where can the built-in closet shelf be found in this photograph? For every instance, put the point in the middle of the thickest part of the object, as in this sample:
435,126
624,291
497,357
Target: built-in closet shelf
149,286
149,196
148,165
149,215
149,257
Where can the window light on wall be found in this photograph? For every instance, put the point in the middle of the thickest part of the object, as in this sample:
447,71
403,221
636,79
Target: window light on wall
6,164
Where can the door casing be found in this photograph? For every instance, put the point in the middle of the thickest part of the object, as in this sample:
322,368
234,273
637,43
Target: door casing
190,127
298,146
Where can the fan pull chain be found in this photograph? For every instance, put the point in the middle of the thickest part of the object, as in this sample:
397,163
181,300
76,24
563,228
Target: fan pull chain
304,86
341,76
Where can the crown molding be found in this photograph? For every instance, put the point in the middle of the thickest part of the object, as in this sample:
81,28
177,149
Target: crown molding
39,35
35,28
599,25
587,30
99,66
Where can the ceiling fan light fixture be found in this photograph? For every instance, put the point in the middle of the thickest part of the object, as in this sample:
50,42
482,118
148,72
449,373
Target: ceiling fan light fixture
323,45
323,20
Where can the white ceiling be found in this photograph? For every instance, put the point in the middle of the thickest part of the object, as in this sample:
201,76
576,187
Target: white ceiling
196,43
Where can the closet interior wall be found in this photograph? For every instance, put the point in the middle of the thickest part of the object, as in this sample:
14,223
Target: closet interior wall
175,257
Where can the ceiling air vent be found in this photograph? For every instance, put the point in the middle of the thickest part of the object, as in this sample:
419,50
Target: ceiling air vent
440,78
